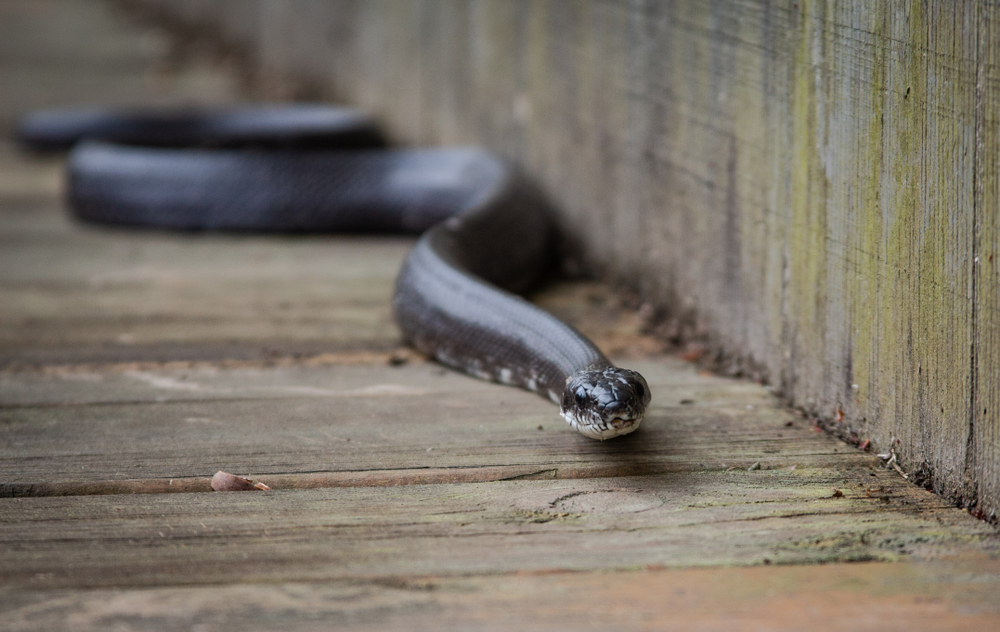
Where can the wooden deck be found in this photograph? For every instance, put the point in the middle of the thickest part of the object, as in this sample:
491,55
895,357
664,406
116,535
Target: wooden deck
134,365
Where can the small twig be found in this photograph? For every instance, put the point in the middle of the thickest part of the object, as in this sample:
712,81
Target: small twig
890,459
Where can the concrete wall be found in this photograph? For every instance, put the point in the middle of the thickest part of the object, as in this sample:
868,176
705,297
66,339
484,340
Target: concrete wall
814,184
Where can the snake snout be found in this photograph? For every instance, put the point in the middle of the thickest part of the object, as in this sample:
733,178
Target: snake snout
613,408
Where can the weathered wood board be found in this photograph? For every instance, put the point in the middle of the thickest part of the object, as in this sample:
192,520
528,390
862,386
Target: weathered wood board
163,293
673,520
946,596
92,427
812,185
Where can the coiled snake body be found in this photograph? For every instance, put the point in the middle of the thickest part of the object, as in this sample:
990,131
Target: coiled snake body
486,231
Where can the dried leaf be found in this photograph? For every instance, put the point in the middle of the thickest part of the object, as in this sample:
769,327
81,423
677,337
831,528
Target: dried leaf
226,482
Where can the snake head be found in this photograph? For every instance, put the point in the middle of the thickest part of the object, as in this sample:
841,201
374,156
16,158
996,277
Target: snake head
605,403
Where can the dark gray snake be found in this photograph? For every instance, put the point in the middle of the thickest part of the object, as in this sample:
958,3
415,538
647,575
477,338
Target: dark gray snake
486,231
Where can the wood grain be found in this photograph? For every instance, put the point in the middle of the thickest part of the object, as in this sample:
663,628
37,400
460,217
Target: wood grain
373,423
946,596
674,520
413,471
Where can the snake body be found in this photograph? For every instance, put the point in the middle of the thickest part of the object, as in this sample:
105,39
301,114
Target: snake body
486,230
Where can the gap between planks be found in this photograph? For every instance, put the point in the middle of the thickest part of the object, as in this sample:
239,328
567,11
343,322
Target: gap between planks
317,480
402,355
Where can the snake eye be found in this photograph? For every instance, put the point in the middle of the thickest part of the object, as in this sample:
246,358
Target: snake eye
640,392
581,397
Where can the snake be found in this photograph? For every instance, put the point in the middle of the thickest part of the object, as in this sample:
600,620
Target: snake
486,230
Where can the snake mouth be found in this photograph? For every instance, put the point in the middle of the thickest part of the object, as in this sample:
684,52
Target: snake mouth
620,424
617,427
602,430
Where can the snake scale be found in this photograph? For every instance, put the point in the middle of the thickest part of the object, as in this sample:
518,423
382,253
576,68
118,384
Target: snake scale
486,231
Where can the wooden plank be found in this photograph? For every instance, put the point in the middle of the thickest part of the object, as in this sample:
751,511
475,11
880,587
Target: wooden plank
954,596
925,307
675,520
985,417
107,427
146,296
